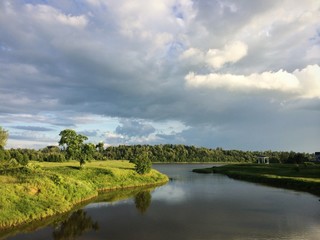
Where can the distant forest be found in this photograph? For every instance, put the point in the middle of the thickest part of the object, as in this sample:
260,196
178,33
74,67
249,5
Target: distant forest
167,153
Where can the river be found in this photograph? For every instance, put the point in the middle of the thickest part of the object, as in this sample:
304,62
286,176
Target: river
191,206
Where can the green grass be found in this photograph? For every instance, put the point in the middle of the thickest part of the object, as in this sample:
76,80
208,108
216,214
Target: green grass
299,177
41,190
108,196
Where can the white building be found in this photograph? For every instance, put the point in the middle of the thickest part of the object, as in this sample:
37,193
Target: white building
262,160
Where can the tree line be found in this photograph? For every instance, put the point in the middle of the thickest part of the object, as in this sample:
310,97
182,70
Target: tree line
74,146
182,153
156,153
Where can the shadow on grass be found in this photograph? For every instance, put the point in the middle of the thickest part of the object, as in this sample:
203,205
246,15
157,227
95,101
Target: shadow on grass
74,167
126,168
97,170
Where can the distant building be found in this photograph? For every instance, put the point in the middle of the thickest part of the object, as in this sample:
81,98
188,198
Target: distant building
317,156
263,160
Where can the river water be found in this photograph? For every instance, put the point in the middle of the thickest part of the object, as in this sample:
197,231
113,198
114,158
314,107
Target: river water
191,206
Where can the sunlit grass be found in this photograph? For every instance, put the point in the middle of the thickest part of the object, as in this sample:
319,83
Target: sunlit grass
8,179
301,177
45,189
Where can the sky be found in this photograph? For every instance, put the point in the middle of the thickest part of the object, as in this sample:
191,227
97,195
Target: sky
236,74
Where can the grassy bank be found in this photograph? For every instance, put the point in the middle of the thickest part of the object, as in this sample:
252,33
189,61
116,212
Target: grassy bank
297,177
108,196
42,190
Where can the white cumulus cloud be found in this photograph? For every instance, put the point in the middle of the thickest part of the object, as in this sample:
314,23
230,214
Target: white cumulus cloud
216,58
231,53
303,83
48,14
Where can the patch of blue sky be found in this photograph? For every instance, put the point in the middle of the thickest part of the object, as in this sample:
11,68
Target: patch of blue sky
35,1
177,12
316,37
5,48
170,126
174,49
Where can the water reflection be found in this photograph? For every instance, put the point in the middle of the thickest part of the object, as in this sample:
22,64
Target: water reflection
193,206
172,194
78,223
81,222
142,201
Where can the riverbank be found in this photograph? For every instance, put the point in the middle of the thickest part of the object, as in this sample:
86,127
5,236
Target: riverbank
42,190
302,177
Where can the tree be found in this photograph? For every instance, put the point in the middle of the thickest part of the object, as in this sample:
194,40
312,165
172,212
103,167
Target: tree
54,157
87,152
51,149
100,147
3,137
143,163
72,144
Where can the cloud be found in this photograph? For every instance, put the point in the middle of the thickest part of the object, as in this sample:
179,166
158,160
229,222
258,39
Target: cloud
136,131
107,64
113,138
90,133
303,83
194,55
156,25
217,58
33,128
172,194
134,128
231,53
309,79
31,139
49,15
131,131
170,138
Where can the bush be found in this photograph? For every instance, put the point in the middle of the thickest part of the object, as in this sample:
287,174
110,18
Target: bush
55,157
12,163
143,164
311,164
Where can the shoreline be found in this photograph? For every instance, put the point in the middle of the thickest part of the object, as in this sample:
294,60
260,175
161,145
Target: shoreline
58,184
110,195
291,181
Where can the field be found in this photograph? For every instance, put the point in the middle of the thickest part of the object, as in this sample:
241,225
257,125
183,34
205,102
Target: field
40,190
304,177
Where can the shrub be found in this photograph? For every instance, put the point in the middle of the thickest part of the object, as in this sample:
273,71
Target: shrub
57,179
143,164
12,163
55,157
306,164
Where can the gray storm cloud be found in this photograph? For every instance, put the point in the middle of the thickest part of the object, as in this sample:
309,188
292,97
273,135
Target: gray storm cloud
220,69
